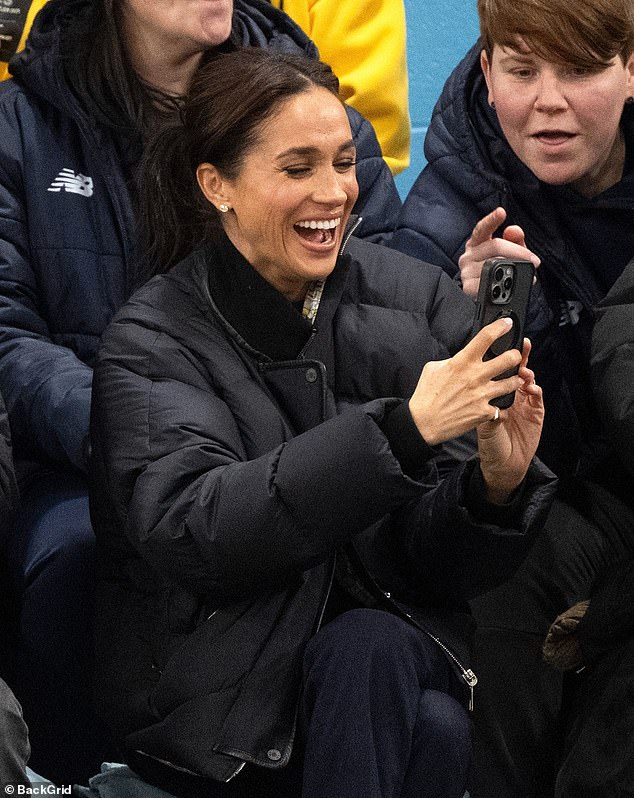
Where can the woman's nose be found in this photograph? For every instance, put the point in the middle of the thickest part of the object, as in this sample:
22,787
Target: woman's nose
330,187
550,94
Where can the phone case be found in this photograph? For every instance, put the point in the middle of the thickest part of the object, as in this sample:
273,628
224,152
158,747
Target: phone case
505,289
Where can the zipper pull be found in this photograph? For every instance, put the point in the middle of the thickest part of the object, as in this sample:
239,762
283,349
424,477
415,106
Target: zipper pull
471,679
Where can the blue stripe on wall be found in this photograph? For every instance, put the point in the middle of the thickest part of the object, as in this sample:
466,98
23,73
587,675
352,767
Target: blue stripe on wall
405,180
439,32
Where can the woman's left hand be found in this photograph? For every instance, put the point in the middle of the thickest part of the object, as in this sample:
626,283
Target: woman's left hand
507,446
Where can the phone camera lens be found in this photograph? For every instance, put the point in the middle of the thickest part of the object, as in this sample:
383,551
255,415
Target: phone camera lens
498,275
508,282
496,291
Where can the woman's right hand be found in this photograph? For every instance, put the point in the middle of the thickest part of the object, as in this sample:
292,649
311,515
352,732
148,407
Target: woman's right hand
452,396
481,245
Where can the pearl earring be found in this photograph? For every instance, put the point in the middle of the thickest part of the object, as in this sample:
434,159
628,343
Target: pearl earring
223,207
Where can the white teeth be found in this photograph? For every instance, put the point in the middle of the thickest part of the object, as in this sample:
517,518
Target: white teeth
325,224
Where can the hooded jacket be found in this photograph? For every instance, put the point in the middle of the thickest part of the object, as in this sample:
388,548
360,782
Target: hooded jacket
67,226
239,454
470,171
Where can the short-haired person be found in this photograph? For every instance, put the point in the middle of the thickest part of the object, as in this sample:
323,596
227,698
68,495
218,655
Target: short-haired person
531,154
287,543
96,79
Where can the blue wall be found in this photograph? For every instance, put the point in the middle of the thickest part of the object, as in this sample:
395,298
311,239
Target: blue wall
439,32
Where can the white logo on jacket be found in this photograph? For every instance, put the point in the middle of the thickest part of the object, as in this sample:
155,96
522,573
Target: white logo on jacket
73,183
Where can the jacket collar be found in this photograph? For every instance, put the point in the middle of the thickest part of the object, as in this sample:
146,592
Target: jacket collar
257,315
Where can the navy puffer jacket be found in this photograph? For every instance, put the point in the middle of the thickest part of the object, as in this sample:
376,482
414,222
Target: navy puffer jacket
470,171
236,450
67,227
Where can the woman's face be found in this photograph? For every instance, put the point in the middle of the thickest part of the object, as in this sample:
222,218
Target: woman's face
560,120
292,198
187,26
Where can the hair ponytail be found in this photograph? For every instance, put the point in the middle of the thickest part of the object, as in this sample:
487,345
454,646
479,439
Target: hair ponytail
174,215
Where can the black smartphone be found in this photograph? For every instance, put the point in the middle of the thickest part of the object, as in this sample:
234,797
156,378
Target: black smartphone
505,290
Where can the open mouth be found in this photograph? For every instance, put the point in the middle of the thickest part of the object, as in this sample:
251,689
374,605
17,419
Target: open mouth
320,232
553,136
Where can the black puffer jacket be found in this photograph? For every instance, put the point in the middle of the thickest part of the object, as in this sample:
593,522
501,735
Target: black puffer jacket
236,449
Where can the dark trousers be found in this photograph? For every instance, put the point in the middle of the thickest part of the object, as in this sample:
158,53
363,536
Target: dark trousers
381,713
524,708
380,717
50,562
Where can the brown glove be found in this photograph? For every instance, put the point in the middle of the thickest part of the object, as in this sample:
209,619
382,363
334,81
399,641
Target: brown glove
561,648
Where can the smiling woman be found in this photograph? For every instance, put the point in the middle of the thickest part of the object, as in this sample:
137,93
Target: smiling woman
292,199
262,506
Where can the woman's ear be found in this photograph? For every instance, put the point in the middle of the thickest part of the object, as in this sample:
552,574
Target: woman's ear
629,66
213,186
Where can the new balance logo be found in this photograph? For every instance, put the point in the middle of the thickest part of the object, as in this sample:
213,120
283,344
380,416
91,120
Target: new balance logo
74,184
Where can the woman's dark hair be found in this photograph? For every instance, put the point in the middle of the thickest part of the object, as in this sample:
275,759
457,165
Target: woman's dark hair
229,101
99,71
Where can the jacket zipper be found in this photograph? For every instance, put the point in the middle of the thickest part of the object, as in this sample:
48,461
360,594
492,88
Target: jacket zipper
344,243
467,675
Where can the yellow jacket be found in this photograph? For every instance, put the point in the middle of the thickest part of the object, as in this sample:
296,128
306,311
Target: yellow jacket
364,43
15,24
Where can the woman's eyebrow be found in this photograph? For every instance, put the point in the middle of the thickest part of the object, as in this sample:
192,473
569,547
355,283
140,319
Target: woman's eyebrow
311,151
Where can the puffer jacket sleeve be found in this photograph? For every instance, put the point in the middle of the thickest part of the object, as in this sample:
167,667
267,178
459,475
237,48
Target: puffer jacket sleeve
612,365
439,535
379,203
45,386
457,187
